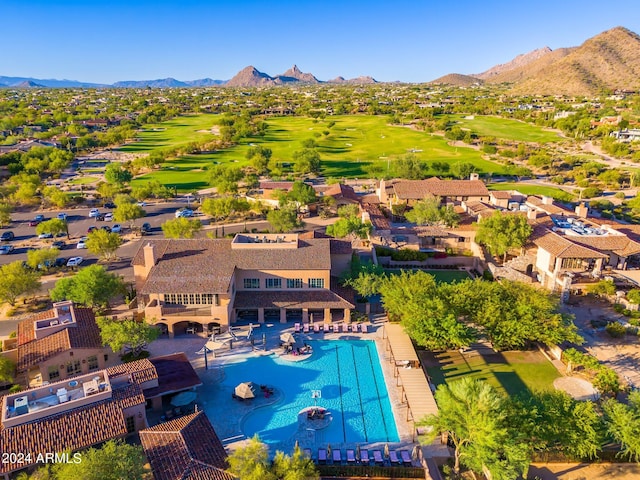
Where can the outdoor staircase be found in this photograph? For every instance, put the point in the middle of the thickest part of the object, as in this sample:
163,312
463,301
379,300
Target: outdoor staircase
514,269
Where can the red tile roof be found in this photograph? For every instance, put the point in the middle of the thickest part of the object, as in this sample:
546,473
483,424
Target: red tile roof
175,373
85,334
560,246
140,371
185,448
207,265
71,430
339,190
308,298
419,189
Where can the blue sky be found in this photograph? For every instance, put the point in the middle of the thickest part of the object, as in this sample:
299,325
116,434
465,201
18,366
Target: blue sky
109,40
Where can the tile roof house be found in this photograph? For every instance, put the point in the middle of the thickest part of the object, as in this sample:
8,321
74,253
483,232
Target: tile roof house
186,448
59,343
89,409
411,191
206,281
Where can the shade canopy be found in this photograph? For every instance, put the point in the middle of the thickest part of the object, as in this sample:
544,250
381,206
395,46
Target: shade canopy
182,399
287,338
245,390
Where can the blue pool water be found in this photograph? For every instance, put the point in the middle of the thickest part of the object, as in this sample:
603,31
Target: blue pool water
349,377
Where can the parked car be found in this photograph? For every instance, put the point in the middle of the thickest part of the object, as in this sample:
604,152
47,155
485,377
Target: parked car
108,217
62,216
39,218
59,244
33,223
82,243
109,205
145,229
100,218
94,212
74,261
91,228
116,228
141,204
6,249
46,235
184,212
107,228
7,236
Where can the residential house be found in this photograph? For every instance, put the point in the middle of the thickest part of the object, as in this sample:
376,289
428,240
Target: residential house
185,448
204,282
60,343
408,192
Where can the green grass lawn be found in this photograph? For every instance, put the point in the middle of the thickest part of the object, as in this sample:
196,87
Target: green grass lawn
447,276
354,142
512,372
505,128
83,180
553,192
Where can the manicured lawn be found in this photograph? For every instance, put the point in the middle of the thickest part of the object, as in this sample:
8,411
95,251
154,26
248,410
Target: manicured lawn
553,192
83,180
512,372
447,276
353,143
486,126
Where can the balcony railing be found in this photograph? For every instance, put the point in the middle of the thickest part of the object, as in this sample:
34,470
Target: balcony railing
187,311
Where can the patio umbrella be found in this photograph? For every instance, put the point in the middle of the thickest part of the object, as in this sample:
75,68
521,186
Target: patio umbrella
287,338
386,450
182,399
245,390
415,453
296,446
358,452
328,450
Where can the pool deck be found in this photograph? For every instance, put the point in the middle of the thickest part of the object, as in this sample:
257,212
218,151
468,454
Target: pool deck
229,425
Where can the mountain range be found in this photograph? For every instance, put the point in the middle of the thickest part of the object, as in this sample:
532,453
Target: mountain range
606,62
247,77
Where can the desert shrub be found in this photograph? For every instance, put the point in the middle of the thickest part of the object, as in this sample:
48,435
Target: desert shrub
616,330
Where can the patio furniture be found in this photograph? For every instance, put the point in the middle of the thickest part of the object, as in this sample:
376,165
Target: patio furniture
337,455
322,455
377,457
406,457
364,328
364,457
393,458
305,328
296,327
351,456
307,452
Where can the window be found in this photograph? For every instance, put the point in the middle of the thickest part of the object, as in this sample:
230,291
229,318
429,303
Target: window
274,283
93,363
316,283
294,283
131,424
54,373
461,239
73,368
251,283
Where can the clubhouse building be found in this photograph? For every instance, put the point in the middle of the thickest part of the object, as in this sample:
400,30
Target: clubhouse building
202,285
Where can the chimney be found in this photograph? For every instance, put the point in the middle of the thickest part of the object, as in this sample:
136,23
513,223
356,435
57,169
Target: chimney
532,214
382,193
582,210
547,200
474,176
149,256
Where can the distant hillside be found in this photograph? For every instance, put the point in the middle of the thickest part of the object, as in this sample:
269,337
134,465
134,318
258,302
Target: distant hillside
518,62
458,80
205,82
250,77
294,74
28,84
525,71
365,80
608,61
160,83
52,83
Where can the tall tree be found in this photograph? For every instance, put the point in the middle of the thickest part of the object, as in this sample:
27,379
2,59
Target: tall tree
114,173
114,460
103,243
7,370
132,334
55,227
128,212
251,462
42,258
92,286
410,167
425,212
284,219
623,424
5,214
301,193
294,467
181,228
17,280
503,231
471,412
463,170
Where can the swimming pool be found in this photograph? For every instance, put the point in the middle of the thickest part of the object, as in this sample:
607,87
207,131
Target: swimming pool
348,375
